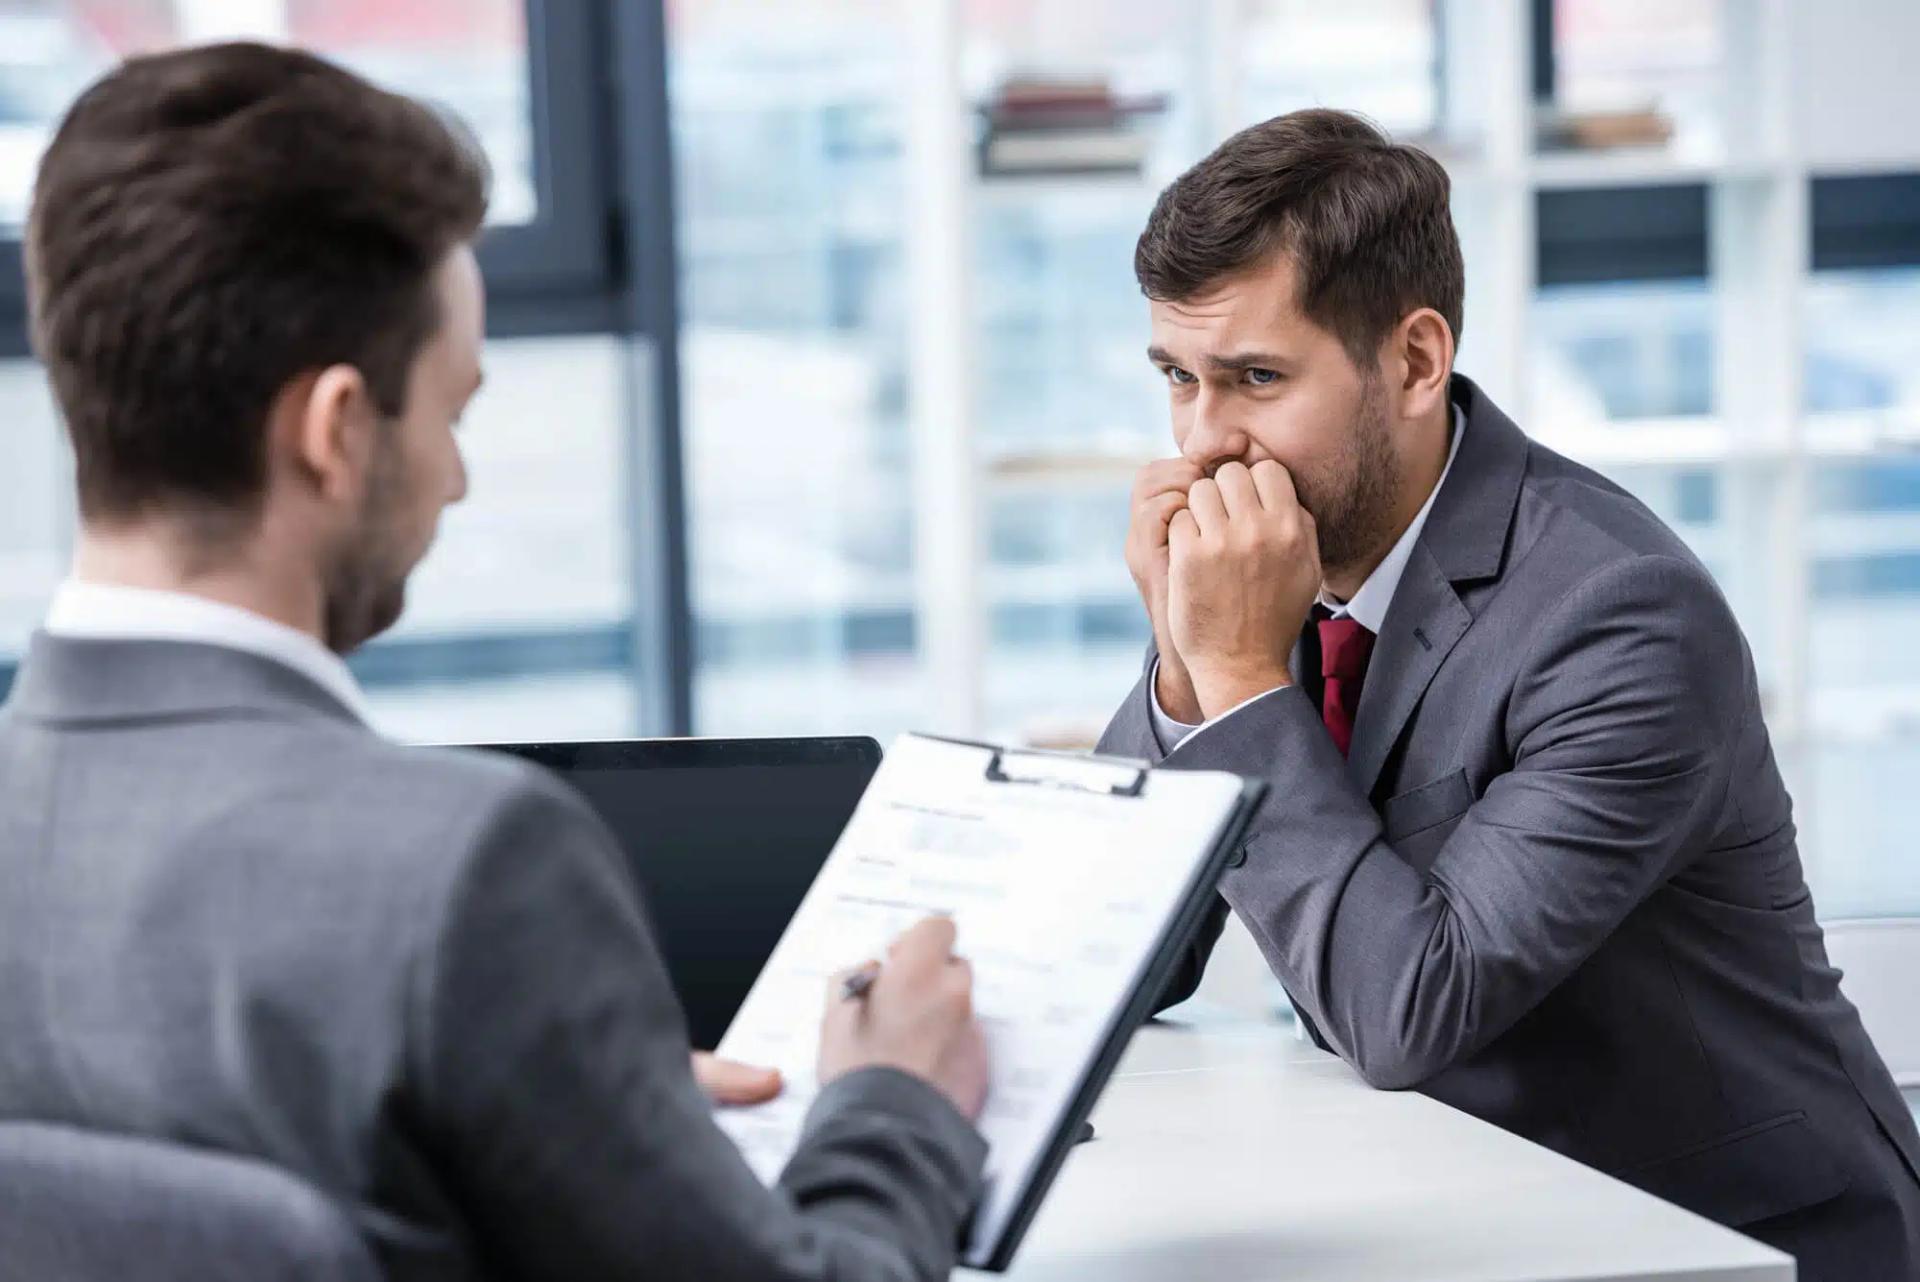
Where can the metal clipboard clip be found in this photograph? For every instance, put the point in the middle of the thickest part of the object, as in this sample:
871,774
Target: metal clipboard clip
1103,775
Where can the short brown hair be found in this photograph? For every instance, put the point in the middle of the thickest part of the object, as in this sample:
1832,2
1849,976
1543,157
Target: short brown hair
211,223
1364,219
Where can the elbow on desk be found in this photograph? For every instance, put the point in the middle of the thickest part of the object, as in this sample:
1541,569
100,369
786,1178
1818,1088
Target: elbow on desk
1394,1068
1394,1072
1422,1018
1402,1061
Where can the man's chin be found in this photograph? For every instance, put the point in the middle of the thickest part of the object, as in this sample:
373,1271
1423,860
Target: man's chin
348,630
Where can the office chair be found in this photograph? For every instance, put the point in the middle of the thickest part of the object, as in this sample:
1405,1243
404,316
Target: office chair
76,1206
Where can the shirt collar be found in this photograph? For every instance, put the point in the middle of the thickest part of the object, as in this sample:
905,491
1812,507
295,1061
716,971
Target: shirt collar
112,612
1369,605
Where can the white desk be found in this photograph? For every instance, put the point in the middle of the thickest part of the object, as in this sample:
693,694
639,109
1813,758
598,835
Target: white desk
1229,1151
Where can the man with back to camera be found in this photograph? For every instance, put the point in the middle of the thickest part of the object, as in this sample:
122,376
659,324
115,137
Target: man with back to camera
236,918
1526,847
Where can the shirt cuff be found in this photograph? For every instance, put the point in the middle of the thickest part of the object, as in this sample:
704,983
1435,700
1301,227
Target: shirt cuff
1173,734
1166,730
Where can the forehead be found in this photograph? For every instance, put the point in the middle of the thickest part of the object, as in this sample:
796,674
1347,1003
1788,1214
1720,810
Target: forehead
1260,301
462,306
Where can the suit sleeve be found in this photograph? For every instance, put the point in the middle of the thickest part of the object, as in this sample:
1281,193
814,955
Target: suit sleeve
1617,725
554,1076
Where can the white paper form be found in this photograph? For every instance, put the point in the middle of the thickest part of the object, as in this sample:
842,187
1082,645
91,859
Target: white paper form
1059,896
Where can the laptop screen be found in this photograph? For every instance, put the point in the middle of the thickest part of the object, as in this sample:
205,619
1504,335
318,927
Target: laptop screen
724,837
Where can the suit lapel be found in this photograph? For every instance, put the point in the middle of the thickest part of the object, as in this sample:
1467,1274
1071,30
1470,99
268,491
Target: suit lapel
1424,623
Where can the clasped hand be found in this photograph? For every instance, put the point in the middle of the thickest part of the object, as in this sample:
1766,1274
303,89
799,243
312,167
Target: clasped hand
1228,567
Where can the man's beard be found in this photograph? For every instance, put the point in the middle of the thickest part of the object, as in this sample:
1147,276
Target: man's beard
1352,500
366,587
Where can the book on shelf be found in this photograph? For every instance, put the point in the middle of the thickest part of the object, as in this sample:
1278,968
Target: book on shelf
1565,130
1055,125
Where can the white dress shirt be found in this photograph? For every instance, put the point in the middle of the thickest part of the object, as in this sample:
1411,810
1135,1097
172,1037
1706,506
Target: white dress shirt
1368,606
109,612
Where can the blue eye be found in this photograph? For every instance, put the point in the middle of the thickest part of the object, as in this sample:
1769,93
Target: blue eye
1177,376
1262,377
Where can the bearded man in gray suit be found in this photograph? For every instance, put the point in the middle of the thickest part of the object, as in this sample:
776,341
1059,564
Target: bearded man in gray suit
234,917
1526,848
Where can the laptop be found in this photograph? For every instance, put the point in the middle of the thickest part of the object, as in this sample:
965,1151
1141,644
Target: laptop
724,837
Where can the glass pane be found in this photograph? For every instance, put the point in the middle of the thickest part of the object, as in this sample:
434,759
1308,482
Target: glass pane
1863,398
1864,697
1862,331
1065,404
1376,57
1605,353
36,505
517,621
469,55
787,126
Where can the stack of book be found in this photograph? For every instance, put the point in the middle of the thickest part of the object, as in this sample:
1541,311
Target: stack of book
1592,130
1037,126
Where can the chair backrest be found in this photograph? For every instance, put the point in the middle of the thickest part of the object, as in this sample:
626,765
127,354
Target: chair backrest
76,1206
1881,956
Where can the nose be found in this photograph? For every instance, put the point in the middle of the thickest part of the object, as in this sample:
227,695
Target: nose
1214,437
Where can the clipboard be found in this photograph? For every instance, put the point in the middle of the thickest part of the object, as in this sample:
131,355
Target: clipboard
1040,1149
1059,770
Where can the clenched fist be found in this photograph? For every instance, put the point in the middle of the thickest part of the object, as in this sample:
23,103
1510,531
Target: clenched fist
1243,570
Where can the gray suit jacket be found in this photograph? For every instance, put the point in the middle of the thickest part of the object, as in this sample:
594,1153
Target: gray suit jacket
231,916
1556,883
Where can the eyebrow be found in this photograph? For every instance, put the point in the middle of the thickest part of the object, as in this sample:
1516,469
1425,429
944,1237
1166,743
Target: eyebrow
1244,361
1236,364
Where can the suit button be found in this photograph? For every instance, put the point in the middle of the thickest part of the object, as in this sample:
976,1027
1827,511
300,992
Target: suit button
1238,857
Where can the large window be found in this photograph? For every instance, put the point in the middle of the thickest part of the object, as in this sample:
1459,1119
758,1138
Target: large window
470,55
526,620
788,123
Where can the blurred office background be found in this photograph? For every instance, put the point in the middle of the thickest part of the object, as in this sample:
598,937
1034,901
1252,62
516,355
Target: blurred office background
817,383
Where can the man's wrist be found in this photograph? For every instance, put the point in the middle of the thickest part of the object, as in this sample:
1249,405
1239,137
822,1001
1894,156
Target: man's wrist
1173,690
1223,690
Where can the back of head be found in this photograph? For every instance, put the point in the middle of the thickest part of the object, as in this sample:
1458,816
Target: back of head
210,223
1366,221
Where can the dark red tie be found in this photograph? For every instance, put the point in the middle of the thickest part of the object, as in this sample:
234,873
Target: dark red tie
1345,647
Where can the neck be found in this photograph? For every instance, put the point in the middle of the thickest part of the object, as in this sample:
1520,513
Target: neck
1426,463
162,556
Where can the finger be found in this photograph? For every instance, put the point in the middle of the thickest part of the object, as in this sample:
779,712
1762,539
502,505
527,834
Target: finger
1164,476
1237,492
959,979
1182,531
1274,484
926,946
733,1084
1209,511
1154,515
